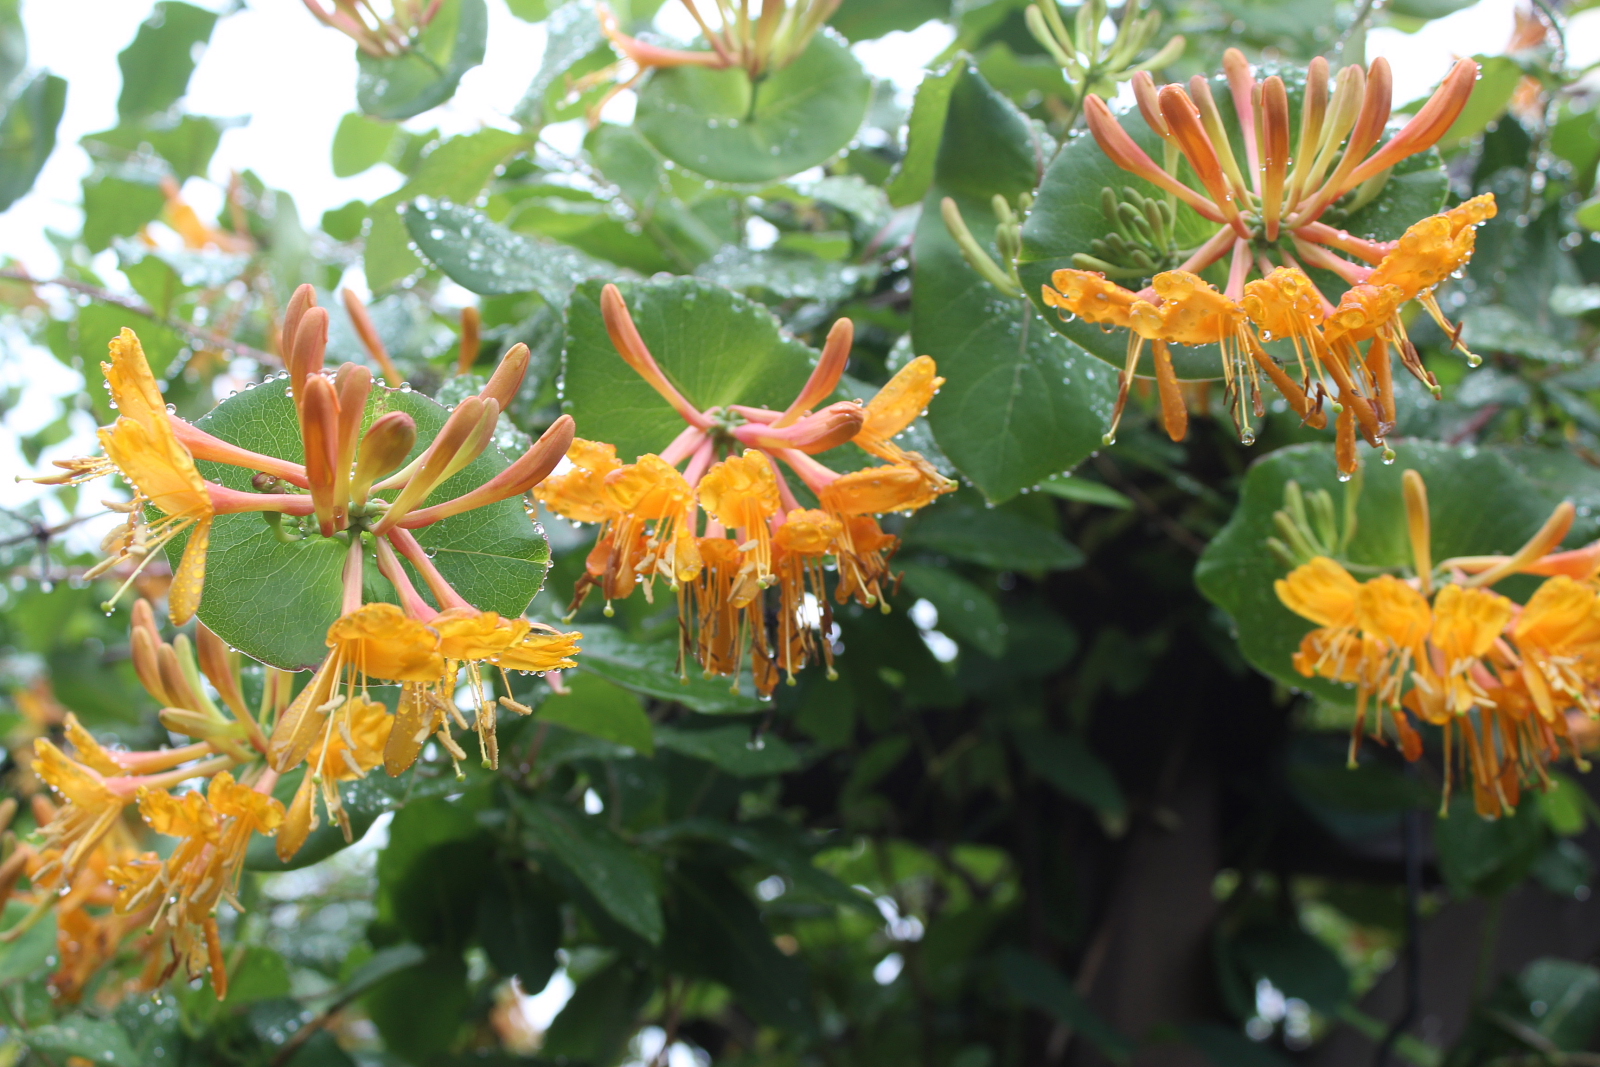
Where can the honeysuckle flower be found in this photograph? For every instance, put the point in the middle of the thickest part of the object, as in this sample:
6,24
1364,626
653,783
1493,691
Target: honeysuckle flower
1270,218
381,38
214,832
1502,682
717,531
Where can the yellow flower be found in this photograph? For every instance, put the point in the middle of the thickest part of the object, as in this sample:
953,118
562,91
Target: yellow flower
92,808
1558,636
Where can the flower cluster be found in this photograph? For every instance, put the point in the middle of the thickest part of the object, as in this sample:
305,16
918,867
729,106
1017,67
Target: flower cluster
728,525
1500,680
1272,226
356,487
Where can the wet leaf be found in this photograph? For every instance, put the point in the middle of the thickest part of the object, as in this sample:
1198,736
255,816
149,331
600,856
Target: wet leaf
487,258
275,601
399,87
716,123
596,707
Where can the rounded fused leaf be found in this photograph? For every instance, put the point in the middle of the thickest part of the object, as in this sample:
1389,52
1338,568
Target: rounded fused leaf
720,124
1067,216
1482,502
396,88
274,600
717,347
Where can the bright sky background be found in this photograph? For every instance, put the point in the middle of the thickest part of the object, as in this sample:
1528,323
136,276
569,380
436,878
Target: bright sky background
293,79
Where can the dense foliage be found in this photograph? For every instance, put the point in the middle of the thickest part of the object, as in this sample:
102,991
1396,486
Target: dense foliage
1024,760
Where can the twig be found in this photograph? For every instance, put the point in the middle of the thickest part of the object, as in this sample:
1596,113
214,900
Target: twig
1412,842
38,531
105,296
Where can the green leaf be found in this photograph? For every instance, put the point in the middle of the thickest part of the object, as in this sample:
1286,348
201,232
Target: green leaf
187,143
275,601
345,223
1068,764
487,258
1227,1047
774,844
731,748
597,1022
28,135
420,1010
1041,986
437,859
572,35
652,669
1481,504
1085,491
650,191
717,347
965,610
1067,215
426,76
382,964
990,537
716,931
785,275
1570,994
117,206
157,65
33,951
1487,857
519,925
360,142
1020,402
594,706
100,1041
924,133
1294,961
605,865
1495,328
456,170
862,20
716,123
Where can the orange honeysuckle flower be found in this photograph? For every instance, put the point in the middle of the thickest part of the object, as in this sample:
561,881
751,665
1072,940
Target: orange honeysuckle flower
714,531
1271,210
351,745
1504,684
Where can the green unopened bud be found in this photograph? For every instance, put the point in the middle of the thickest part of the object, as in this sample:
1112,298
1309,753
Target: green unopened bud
977,258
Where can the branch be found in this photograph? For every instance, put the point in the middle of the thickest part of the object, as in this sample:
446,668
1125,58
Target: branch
216,340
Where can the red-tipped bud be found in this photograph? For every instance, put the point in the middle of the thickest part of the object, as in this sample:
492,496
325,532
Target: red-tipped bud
1274,151
310,348
471,334
631,347
319,429
506,381
368,332
825,376
1429,124
303,299
220,665
1183,118
531,468
828,428
1115,143
1144,91
457,431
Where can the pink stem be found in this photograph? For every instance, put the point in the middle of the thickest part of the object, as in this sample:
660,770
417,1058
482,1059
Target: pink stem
816,476
683,445
1323,234
1238,270
410,599
352,578
1318,256
202,445
699,462
1210,252
225,501
785,493
765,416
442,590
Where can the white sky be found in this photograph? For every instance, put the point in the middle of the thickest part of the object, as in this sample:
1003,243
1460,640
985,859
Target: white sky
294,78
